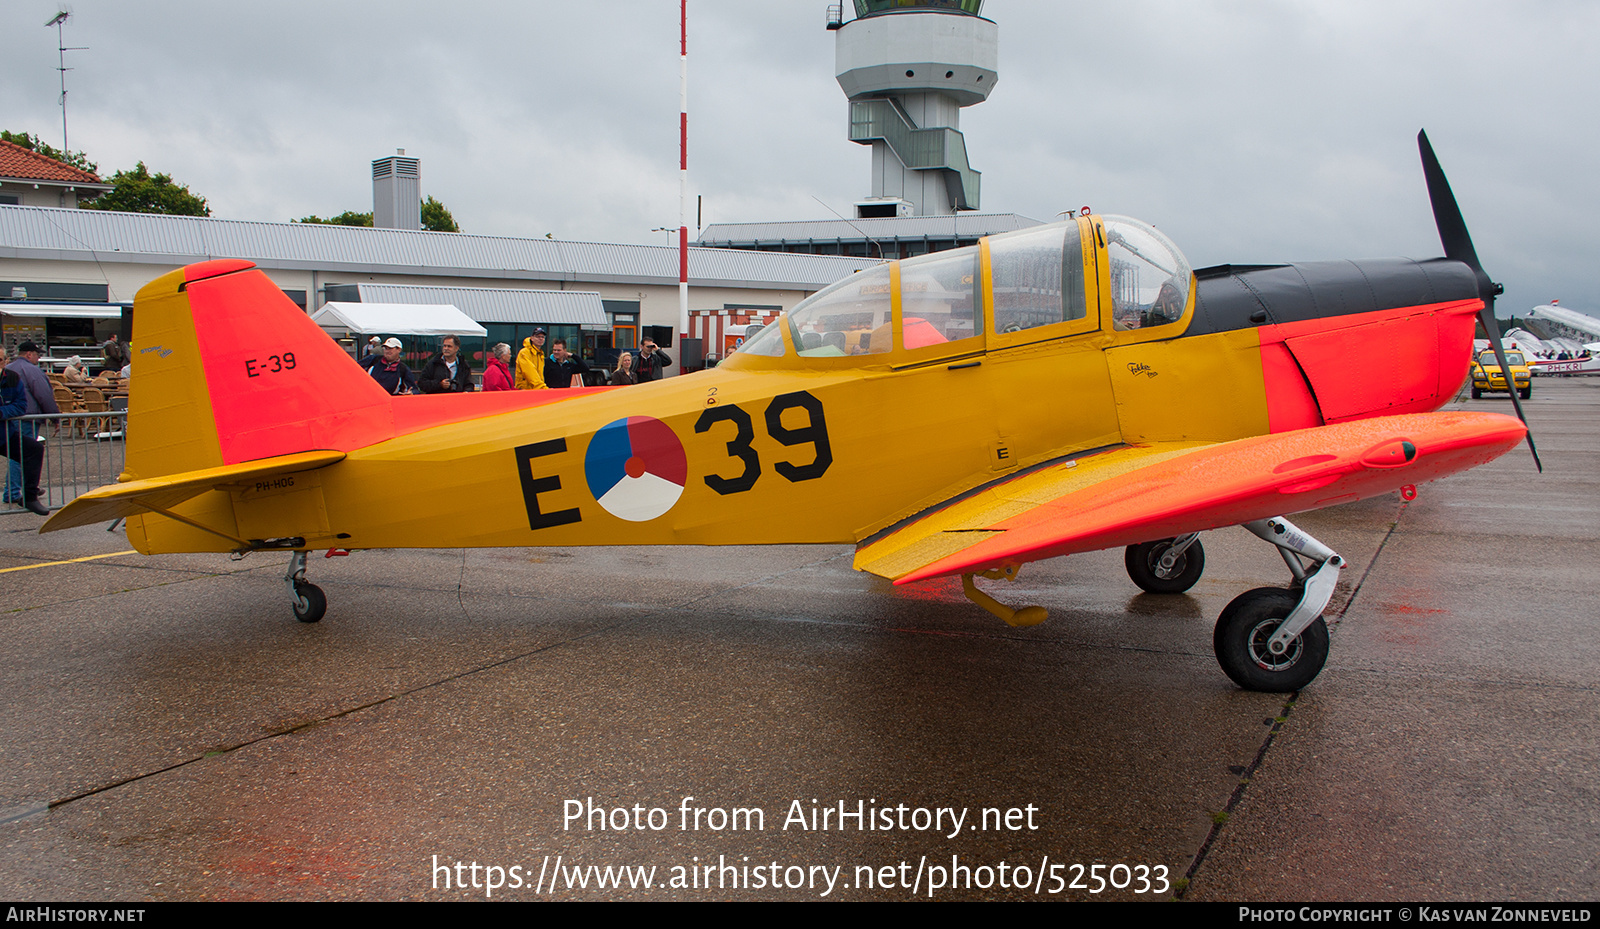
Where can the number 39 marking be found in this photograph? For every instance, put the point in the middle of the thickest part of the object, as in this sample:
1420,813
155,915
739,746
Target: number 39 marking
814,433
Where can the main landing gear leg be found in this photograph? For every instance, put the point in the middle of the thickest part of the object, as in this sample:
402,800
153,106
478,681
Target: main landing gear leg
1166,566
1027,616
307,598
1271,639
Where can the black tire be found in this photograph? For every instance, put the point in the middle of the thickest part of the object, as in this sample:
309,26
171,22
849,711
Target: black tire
1477,394
1241,636
310,602
1143,558
1526,393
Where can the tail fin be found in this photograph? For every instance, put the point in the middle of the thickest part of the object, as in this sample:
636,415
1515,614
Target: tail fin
230,370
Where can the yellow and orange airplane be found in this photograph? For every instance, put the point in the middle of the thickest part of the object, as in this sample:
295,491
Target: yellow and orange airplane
1060,389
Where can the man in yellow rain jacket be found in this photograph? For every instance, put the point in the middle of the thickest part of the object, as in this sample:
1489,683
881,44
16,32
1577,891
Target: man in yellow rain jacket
530,362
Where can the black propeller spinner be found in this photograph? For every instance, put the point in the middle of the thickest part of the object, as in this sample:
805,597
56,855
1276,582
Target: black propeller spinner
1458,247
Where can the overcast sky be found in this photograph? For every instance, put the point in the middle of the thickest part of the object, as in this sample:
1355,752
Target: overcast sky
1248,131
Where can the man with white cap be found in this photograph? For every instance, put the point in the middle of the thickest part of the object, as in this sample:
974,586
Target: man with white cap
391,373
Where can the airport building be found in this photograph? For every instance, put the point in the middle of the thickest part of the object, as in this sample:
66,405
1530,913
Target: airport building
900,237
66,274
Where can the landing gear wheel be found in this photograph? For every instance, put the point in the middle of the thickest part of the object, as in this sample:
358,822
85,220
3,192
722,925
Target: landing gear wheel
1144,561
1477,394
1248,624
1526,393
309,602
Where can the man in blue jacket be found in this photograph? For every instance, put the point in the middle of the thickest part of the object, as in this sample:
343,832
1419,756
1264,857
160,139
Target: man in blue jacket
21,445
41,395
391,373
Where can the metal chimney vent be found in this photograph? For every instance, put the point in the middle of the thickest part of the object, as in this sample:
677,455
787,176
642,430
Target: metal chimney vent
397,192
397,167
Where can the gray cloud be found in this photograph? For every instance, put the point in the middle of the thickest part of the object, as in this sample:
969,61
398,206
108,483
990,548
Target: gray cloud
1249,131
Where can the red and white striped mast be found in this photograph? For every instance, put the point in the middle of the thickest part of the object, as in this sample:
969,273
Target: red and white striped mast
683,173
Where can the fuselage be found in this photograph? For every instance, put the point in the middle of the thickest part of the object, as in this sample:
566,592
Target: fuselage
884,395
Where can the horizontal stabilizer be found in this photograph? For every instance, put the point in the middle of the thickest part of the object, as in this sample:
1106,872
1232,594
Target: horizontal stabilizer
156,494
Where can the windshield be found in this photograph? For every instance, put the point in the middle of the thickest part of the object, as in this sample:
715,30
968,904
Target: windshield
850,317
936,298
1487,359
1149,276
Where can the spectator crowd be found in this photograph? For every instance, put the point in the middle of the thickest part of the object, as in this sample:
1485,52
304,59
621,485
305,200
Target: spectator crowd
449,371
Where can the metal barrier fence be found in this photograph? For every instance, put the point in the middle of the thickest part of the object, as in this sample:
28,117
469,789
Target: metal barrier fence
80,451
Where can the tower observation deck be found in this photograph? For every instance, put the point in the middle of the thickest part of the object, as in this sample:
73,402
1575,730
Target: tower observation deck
908,67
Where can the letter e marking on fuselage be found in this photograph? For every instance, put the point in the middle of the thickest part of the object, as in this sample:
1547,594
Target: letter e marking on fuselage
532,486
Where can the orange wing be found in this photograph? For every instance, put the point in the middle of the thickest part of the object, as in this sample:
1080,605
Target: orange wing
1134,494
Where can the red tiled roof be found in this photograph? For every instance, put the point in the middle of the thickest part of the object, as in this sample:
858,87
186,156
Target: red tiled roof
16,161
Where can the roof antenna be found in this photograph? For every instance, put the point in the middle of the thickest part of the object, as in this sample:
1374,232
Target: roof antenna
58,21
851,225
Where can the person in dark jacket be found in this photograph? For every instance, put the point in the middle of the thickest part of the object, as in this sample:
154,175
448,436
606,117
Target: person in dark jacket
562,365
21,445
113,356
624,375
652,361
447,372
41,394
391,373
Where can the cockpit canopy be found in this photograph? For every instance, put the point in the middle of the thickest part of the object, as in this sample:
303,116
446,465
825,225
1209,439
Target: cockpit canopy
1150,278
1019,287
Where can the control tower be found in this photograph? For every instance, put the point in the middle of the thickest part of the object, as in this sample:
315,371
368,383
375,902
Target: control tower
908,67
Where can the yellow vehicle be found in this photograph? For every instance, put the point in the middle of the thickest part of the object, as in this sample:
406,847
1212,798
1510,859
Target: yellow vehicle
1486,375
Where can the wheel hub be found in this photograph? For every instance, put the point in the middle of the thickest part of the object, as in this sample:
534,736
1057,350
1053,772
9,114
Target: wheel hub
1261,647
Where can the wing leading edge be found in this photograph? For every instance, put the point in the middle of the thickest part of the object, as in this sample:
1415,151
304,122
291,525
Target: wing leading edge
1135,494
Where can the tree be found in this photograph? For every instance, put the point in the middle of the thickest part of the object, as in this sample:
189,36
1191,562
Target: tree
34,143
139,191
436,218
347,218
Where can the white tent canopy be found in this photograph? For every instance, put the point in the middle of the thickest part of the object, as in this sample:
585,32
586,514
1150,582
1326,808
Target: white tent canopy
398,319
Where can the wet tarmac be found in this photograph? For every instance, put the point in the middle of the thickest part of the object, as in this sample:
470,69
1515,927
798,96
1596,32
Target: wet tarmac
171,733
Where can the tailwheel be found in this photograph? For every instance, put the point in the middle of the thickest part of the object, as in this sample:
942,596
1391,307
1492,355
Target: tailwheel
1166,566
310,603
308,600
1244,645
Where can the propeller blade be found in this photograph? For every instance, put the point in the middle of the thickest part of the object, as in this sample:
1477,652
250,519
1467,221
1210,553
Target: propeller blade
1492,329
1458,247
1446,213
